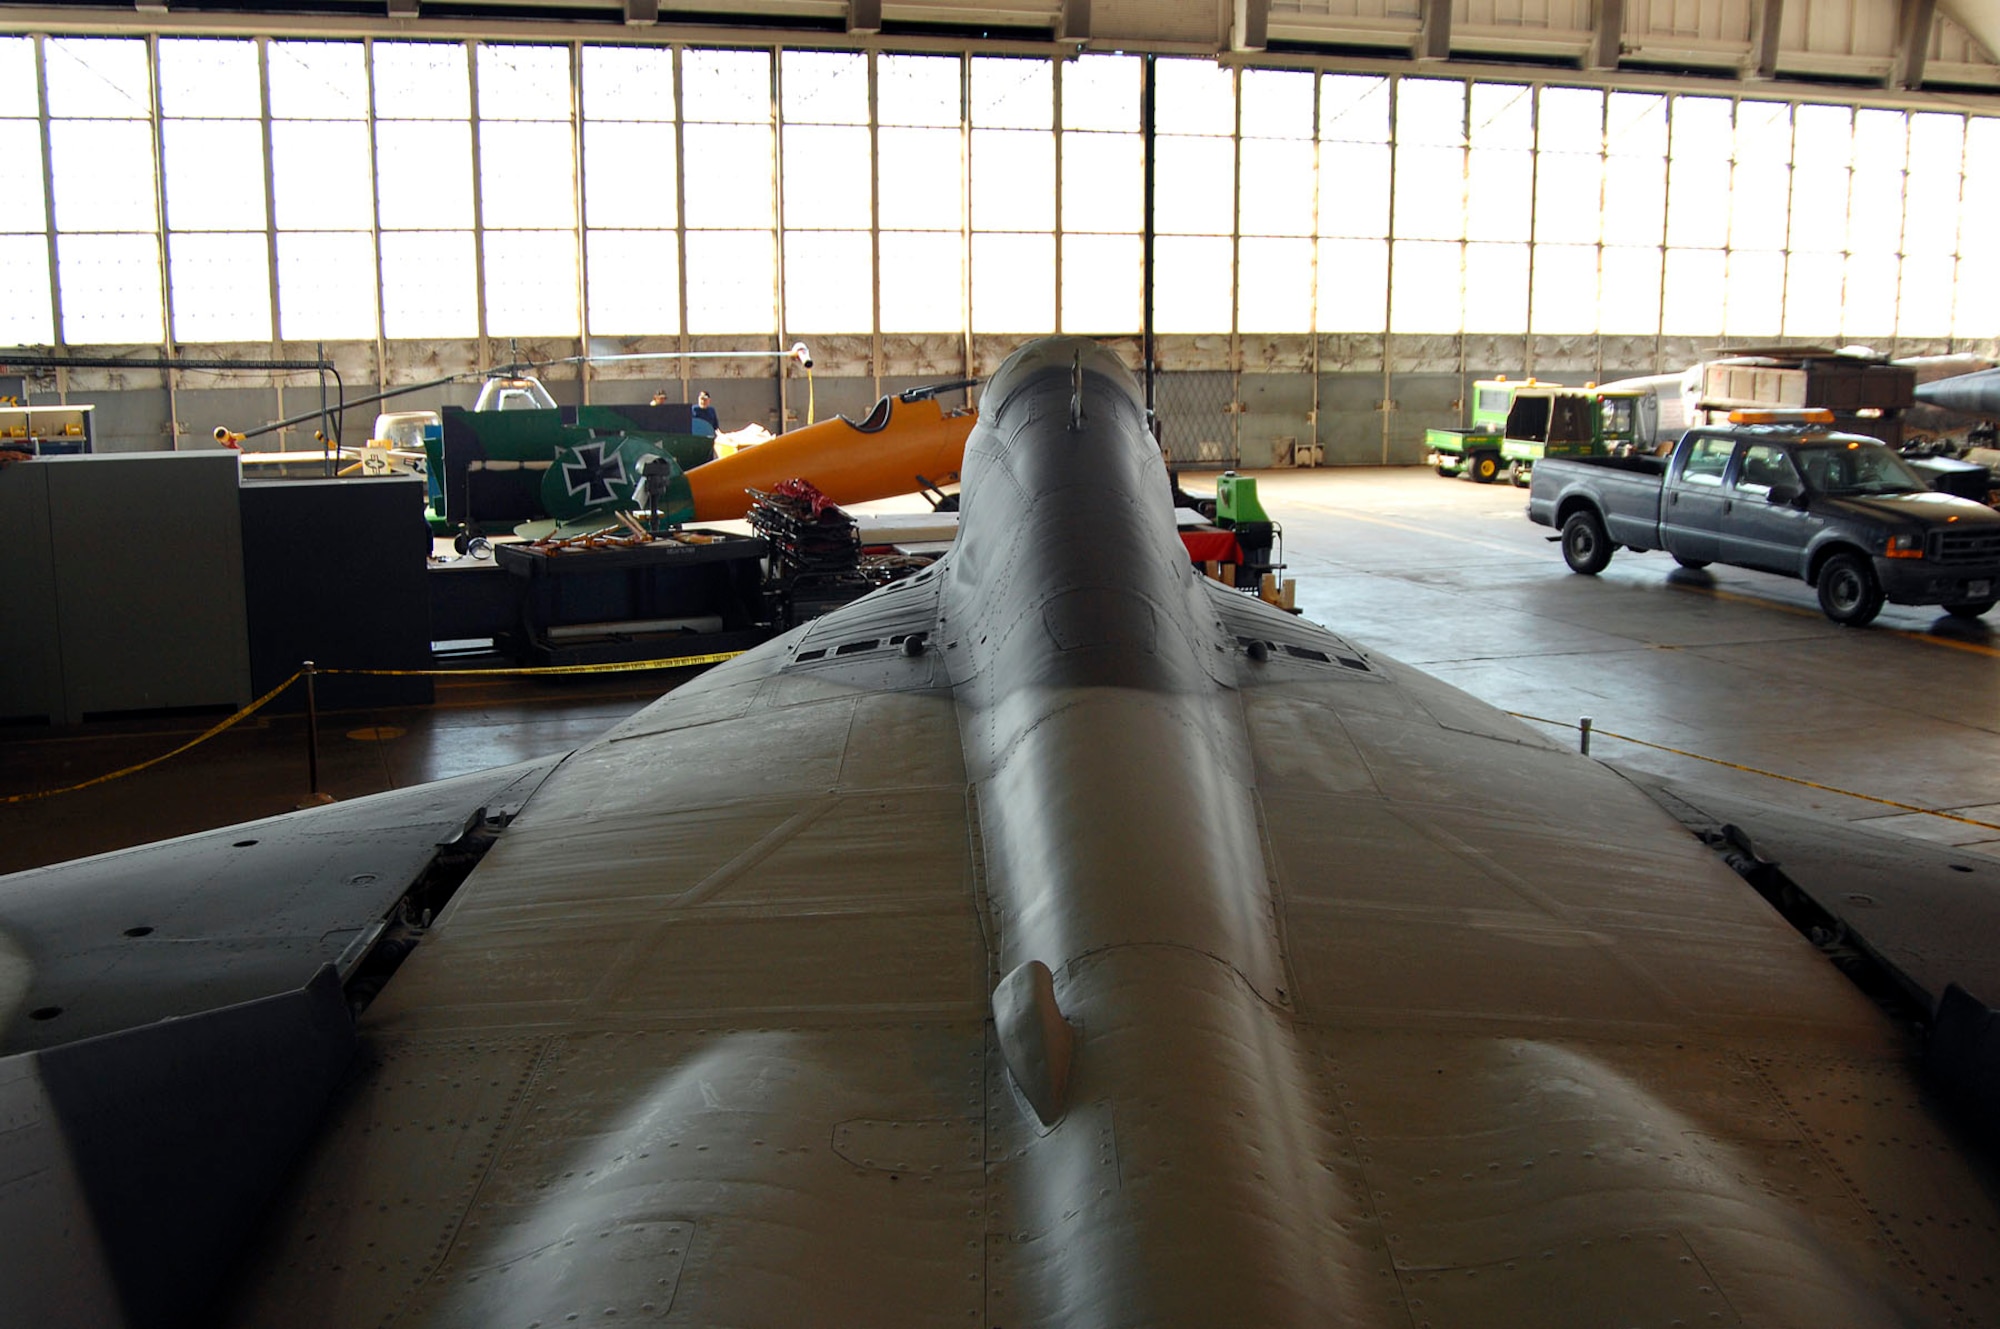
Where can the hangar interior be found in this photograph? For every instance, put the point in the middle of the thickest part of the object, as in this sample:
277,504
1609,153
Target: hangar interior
1324,221
1312,227
1211,948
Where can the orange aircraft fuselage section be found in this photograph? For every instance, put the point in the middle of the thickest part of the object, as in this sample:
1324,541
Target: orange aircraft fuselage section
916,443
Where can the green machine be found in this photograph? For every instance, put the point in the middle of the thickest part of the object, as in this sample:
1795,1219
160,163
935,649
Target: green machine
1548,421
1257,536
1475,449
516,459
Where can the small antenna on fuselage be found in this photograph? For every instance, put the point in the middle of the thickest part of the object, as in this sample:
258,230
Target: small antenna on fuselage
1076,393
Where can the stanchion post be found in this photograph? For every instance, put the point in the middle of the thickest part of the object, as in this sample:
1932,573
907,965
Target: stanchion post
312,733
1582,726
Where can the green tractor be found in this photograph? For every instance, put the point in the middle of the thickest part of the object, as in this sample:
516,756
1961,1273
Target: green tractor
1475,450
1550,421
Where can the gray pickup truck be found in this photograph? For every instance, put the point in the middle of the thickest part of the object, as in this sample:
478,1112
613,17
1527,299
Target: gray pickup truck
1841,511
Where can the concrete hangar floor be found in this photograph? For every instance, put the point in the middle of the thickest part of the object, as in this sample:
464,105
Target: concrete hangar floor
1446,575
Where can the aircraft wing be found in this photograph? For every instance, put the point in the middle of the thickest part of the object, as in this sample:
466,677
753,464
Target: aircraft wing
702,1039
1572,1063
107,943
176,1017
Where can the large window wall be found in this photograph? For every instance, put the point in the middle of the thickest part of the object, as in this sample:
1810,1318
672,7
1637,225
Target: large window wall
236,191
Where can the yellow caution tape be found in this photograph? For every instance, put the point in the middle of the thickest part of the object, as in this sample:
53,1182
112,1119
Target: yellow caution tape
1773,775
252,708
678,662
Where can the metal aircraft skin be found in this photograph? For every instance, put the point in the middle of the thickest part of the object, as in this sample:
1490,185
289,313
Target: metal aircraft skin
1976,394
1058,938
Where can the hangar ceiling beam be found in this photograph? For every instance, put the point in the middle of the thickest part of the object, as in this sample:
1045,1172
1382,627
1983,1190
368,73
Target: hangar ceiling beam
1607,37
1767,18
1074,23
1913,43
1434,30
642,13
1250,25
864,16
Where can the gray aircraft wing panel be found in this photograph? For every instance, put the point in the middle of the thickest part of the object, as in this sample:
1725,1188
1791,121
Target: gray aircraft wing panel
102,944
706,1029
880,643
1654,1084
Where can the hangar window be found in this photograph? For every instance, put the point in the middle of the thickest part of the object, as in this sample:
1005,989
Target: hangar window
1013,193
1931,211
1275,202
631,208
26,313
1427,293
527,190
1103,194
1635,209
1569,210
1977,289
1499,207
325,189
1353,207
1822,145
424,178
731,208
1760,199
1194,189
827,177
101,165
212,150
919,175
1875,223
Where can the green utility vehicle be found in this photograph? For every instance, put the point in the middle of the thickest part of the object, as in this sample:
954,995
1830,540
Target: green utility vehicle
1550,421
1475,449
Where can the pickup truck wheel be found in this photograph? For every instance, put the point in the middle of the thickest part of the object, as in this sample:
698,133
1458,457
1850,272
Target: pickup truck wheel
1848,593
1586,548
1484,467
1970,608
1691,564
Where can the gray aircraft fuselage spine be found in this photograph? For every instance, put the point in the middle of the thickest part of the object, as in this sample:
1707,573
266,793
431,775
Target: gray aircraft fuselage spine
1089,697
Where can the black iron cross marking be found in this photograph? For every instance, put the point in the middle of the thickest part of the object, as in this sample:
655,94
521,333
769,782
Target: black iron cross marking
592,474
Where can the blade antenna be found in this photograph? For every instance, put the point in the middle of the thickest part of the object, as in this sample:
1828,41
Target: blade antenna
1076,393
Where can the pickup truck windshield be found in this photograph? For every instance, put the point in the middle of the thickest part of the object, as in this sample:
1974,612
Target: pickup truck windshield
1849,470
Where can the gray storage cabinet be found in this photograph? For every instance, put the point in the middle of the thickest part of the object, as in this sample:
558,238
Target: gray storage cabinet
123,585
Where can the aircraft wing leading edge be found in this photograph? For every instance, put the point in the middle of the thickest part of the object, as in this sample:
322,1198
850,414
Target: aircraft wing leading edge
709,1037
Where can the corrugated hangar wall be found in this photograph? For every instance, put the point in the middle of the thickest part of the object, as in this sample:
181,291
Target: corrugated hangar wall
1302,198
